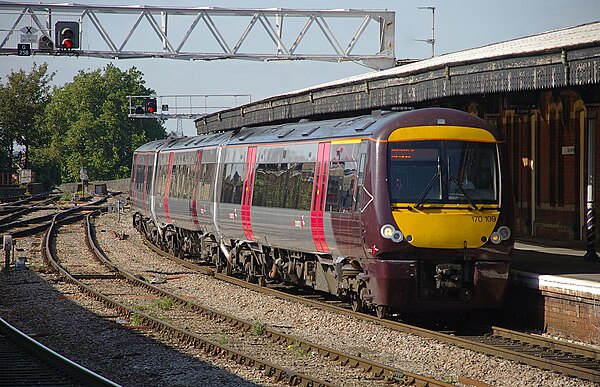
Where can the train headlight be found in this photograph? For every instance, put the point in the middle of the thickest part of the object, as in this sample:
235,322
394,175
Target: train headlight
397,236
504,233
387,231
495,238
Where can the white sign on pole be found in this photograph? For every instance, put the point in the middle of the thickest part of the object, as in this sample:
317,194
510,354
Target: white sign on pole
28,35
27,38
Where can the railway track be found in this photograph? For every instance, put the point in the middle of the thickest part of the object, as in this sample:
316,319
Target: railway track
245,342
25,362
32,219
539,351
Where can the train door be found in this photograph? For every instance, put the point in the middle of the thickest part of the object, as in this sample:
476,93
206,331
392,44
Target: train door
341,196
247,192
364,197
196,185
132,182
151,189
231,193
144,184
317,206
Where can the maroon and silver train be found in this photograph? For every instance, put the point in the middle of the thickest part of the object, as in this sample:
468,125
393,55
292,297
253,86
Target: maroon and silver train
391,211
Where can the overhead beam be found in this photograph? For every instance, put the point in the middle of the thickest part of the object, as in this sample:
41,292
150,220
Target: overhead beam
208,33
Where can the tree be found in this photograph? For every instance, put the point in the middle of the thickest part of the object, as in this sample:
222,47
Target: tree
22,102
89,125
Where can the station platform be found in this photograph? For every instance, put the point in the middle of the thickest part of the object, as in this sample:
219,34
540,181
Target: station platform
554,290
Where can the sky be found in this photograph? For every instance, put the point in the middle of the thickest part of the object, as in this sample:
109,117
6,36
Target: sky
459,25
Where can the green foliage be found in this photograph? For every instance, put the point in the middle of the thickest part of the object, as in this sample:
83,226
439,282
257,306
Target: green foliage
23,98
166,303
136,319
88,124
258,328
296,349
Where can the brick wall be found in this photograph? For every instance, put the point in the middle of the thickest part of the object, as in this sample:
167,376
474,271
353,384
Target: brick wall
565,316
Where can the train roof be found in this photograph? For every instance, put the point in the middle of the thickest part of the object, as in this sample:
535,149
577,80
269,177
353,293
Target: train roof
152,146
371,125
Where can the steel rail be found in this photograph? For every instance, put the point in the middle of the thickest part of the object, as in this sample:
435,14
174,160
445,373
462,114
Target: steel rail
461,341
375,368
189,338
56,361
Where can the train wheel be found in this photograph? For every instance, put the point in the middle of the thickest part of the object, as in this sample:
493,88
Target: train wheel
262,281
356,303
249,276
382,311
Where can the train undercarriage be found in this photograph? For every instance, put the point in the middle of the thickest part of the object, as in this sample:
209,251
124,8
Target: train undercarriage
398,284
259,263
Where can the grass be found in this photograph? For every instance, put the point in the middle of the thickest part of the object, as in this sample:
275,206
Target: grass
166,303
296,349
135,319
258,328
222,339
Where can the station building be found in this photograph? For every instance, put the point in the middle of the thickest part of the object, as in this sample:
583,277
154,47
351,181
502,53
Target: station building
542,92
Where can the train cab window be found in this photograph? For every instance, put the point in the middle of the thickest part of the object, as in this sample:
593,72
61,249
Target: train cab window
443,172
232,184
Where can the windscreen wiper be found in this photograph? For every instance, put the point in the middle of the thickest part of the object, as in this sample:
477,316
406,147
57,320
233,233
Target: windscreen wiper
436,176
419,203
461,189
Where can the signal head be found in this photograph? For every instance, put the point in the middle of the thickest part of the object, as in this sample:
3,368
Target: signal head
66,35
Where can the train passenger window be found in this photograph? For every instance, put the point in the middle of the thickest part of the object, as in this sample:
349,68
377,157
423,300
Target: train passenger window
139,177
232,184
149,179
306,186
340,186
283,185
205,182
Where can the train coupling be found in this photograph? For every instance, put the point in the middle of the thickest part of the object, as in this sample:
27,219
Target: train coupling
450,276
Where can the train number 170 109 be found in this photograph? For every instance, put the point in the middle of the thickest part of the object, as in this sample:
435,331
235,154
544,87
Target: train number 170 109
486,219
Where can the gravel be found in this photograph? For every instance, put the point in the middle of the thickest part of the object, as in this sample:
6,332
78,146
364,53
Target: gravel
82,329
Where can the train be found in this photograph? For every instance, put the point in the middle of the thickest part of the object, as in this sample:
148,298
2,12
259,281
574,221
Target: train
393,211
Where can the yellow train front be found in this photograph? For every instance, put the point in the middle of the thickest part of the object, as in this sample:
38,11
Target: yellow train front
436,216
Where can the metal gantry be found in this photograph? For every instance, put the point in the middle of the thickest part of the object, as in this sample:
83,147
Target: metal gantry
205,33
183,106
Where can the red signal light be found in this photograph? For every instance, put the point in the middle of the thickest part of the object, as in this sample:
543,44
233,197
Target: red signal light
150,105
66,35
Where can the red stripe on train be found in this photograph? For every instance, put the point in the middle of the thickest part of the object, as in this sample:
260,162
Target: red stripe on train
319,195
248,192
